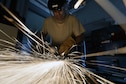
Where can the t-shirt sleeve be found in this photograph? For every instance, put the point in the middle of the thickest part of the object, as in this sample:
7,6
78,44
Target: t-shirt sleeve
44,27
77,27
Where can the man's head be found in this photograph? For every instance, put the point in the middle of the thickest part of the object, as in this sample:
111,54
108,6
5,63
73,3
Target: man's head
57,7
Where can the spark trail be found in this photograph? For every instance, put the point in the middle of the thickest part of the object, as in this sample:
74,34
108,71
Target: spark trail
39,68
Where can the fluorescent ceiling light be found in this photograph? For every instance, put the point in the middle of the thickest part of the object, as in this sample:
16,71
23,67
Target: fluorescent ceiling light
78,3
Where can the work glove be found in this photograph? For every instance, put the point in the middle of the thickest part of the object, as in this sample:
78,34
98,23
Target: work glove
66,45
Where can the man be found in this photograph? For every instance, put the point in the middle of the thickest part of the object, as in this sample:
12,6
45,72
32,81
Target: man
64,29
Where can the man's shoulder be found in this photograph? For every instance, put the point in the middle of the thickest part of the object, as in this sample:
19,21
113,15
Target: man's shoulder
72,17
48,18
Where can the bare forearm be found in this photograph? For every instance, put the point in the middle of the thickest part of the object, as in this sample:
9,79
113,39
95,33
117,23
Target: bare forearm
43,35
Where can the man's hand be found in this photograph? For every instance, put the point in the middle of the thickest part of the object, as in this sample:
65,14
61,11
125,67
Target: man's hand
53,50
65,47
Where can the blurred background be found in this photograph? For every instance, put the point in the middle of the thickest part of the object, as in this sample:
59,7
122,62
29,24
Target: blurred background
103,20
